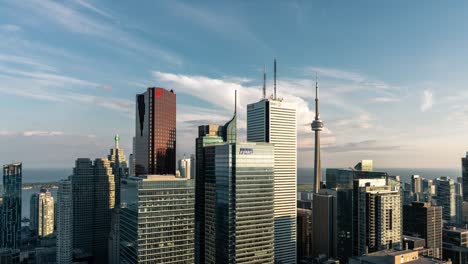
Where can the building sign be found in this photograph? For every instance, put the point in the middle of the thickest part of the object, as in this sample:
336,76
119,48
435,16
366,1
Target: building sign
246,151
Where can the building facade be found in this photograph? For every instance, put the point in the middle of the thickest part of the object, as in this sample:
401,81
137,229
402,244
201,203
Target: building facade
304,233
239,223
376,216
10,231
445,197
157,220
464,163
425,221
155,132
325,223
93,193
274,121
455,244
42,213
64,222
185,168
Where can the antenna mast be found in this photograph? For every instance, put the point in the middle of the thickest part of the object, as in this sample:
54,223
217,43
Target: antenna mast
264,81
274,85
235,102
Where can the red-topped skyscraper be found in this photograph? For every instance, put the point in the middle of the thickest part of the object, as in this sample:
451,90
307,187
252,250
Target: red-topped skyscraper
155,132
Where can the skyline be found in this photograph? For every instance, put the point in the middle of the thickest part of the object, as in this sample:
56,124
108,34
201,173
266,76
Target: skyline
72,78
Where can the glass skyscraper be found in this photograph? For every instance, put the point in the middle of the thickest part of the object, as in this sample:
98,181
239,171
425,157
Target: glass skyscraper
42,213
10,231
274,121
155,132
157,220
239,224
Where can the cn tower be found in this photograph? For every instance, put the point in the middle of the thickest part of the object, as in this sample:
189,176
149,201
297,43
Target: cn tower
317,126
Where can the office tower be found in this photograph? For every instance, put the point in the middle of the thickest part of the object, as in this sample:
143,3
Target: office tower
42,213
9,256
185,168
365,165
304,233
343,178
208,135
376,216
397,257
120,171
458,203
64,222
93,196
239,221
465,177
273,121
455,244
193,166
324,223
425,221
317,126
344,224
157,220
415,183
10,231
155,132
445,197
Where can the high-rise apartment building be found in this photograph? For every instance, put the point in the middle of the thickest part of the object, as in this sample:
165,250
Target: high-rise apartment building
324,223
376,216
93,193
42,213
155,132
425,221
64,222
157,220
274,121
10,231
445,197
239,222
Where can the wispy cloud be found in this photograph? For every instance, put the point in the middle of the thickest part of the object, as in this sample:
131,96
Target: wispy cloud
427,100
10,28
7,58
362,146
385,99
41,133
93,8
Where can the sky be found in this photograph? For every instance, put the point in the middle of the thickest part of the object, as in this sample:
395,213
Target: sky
392,75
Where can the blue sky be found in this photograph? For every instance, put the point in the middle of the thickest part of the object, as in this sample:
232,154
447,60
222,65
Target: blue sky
391,74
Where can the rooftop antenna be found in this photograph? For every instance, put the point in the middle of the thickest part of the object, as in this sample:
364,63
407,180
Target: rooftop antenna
235,102
264,81
274,85
317,115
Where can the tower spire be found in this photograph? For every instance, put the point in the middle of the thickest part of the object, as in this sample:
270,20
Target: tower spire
317,126
235,102
116,141
274,84
264,81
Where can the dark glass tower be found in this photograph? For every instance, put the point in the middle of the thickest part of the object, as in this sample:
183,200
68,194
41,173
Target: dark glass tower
10,231
155,132
465,177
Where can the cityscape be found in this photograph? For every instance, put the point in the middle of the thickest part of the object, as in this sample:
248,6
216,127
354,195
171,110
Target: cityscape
202,166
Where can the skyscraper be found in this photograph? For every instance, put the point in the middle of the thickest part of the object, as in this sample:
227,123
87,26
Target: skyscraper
239,203
317,126
415,183
324,223
93,196
208,135
10,231
376,216
425,221
155,132
273,121
304,233
120,171
445,197
64,222
157,220
185,168
42,213
465,177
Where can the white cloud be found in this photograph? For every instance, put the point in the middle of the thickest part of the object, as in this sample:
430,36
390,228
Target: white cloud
427,100
10,28
385,99
41,133
92,8
26,61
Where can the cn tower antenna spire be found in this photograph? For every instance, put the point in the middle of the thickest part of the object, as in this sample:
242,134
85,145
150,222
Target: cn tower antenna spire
317,126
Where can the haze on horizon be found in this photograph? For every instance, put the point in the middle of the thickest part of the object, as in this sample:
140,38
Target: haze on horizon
392,75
